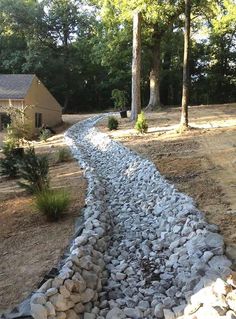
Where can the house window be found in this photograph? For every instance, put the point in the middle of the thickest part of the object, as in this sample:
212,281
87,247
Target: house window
38,120
4,121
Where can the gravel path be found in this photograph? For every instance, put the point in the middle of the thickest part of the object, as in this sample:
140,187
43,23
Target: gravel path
161,252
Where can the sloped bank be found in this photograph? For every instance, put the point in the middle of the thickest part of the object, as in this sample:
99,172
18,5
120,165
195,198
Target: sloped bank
145,250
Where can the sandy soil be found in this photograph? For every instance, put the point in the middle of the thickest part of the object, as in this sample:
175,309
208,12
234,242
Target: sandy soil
200,162
30,245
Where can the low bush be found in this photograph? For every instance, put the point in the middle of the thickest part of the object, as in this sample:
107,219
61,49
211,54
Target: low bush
141,125
52,203
34,170
63,155
9,164
112,123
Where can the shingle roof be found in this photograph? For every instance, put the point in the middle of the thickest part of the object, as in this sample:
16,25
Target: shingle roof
14,86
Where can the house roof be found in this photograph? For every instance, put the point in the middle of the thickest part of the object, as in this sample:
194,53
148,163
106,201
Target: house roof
14,86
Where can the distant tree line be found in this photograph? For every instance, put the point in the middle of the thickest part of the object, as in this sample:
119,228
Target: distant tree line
83,50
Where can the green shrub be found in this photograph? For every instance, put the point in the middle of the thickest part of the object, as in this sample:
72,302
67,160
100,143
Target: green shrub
63,155
141,125
34,170
9,164
52,203
112,123
44,135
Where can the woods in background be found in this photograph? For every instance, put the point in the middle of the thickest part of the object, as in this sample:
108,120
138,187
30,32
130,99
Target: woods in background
82,51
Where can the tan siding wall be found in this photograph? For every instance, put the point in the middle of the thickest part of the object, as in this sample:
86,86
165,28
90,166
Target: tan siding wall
40,100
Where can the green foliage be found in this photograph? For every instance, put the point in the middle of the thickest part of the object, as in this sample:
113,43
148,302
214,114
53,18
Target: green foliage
52,203
34,170
112,123
119,97
9,164
44,135
141,125
63,155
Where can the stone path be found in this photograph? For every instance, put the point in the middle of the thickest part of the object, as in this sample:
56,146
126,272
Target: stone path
161,252
144,251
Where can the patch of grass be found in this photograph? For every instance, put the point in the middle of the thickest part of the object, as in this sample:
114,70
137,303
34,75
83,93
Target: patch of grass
112,123
44,135
63,155
53,203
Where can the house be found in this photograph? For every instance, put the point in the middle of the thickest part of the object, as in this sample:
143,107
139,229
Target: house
26,92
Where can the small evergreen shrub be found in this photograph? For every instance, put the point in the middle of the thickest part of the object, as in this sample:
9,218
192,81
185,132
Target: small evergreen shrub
141,125
9,164
52,203
44,135
34,170
112,123
63,155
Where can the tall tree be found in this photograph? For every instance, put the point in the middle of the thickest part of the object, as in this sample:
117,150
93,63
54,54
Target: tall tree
136,66
185,91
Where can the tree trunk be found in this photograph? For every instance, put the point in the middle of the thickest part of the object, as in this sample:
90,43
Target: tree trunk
136,66
185,91
154,100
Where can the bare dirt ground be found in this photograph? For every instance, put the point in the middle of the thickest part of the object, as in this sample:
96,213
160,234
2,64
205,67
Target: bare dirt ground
30,245
200,162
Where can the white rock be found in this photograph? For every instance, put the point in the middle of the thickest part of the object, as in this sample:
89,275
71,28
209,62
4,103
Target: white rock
38,311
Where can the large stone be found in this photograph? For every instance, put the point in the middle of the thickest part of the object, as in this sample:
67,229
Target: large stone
207,312
158,311
38,298
90,278
132,313
38,311
61,303
214,240
115,313
231,300
79,308
71,314
87,295
50,309
168,314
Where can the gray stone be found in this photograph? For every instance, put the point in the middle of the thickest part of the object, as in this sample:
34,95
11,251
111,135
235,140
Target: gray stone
89,315
143,305
133,313
115,313
158,311
90,278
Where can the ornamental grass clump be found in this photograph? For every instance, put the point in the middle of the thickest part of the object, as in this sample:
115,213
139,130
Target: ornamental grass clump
112,123
141,125
52,203
63,155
